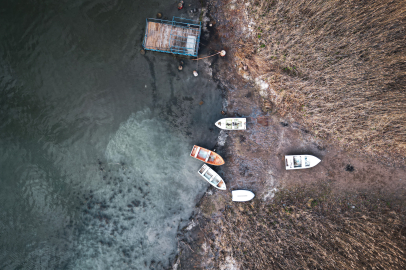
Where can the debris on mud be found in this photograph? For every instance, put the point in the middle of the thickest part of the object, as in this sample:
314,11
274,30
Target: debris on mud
349,168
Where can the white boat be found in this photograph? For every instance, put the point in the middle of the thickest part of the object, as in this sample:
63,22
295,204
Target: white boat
232,123
294,162
212,177
242,195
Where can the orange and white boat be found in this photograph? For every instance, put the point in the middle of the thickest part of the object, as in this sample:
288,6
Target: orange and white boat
207,156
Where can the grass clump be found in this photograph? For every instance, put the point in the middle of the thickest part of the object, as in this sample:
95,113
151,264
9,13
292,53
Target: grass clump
338,231
344,60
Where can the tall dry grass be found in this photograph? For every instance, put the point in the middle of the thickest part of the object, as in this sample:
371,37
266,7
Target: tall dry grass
339,65
326,232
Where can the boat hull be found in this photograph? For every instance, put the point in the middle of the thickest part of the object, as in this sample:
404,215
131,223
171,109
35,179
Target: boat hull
212,177
232,123
206,155
295,162
242,195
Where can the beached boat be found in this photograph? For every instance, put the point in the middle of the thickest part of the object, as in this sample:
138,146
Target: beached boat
294,162
212,177
242,195
232,123
207,156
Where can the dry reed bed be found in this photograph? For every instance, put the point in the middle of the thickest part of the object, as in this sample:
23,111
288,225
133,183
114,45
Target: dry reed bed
338,65
323,233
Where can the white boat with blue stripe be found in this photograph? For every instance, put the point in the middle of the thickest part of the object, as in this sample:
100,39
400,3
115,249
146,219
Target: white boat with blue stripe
294,162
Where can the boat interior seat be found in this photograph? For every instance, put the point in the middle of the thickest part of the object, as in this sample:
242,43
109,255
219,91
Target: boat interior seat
208,175
307,162
202,154
215,181
297,161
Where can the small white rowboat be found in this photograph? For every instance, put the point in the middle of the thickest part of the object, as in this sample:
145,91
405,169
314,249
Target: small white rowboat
212,177
242,195
232,123
294,162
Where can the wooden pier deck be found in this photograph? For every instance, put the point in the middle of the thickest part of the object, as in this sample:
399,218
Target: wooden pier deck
170,37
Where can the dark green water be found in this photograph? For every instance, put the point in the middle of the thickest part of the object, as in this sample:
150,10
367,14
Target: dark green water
95,138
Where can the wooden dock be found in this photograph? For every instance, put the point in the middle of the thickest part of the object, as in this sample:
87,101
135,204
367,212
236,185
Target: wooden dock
172,37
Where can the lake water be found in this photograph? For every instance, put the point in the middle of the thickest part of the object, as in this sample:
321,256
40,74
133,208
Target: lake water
95,138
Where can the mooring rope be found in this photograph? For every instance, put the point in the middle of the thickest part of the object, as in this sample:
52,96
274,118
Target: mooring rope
222,53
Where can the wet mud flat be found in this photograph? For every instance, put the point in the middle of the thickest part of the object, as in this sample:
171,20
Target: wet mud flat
347,211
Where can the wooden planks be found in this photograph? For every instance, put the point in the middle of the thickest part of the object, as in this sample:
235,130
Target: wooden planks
158,36
164,37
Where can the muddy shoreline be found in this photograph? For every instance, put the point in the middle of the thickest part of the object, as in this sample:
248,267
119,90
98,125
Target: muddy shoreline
254,161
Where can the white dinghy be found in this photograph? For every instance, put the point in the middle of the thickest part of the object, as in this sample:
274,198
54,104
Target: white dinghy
232,123
294,162
212,177
242,195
